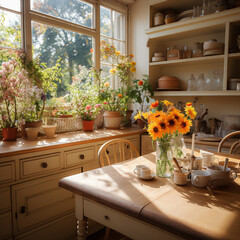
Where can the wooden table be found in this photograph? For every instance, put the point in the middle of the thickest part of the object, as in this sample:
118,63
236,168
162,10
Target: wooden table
157,209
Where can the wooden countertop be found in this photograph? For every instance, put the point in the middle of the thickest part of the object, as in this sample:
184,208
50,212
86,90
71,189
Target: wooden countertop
62,140
187,211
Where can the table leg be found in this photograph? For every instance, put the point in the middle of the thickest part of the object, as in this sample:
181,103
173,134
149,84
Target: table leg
82,226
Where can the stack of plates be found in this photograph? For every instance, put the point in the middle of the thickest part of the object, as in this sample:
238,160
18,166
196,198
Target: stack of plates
157,57
185,15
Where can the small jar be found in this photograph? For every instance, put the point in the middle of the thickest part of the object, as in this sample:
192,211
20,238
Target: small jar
198,50
187,53
169,18
158,19
191,83
200,82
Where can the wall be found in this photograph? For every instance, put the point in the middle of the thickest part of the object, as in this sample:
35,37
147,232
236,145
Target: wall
138,16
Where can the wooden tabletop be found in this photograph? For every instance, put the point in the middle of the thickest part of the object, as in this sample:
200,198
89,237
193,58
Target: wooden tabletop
183,210
62,140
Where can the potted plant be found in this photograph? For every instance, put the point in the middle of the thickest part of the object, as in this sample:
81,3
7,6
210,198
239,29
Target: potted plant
12,81
124,68
88,115
113,104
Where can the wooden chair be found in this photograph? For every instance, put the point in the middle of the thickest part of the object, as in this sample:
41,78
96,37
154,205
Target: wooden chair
114,151
235,148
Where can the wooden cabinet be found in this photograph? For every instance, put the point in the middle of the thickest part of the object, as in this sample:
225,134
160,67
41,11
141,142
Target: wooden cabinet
223,26
33,206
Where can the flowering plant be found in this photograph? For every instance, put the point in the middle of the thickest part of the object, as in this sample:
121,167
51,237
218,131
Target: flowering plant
163,127
124,65
112,99
139,91
13,78
89,113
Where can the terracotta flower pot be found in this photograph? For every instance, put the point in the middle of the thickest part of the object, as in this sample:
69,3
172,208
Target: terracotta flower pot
9,134
32,133
49,130
88,125
36,124
112,119
98,122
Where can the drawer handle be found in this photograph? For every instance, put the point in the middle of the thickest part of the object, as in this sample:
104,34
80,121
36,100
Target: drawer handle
82,156
107,151
44,165
106,217
22,209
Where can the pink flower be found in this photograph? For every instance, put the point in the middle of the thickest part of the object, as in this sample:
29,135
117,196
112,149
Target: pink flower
98,105
105,103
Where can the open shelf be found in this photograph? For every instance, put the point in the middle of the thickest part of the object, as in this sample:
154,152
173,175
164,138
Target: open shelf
234,55
196,93
207,59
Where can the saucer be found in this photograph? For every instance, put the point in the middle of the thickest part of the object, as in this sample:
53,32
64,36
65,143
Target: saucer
148,177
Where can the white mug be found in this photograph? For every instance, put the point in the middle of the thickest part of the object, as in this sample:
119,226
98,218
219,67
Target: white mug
200,178
208,159
180,178
219,177
138,168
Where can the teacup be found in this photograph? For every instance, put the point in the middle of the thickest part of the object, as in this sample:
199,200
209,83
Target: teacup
200,178
208,159
145,173
138,169
180,178
219,177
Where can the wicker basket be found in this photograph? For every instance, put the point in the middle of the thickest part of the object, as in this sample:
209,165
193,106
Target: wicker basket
66,124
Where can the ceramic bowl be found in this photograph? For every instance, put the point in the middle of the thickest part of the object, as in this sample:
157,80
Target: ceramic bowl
168,82
212,45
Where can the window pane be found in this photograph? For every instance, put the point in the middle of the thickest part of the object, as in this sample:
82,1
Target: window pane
118,26
120,46
105,21
74,11
10,29
11,4
72,48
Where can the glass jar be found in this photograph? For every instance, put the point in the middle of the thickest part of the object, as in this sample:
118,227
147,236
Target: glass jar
200,82
187,53
208,84
164,155
191,83
198,50
217,80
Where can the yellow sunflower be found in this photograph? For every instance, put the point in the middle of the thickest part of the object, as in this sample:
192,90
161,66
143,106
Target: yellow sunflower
172,123
145,115
177,114
163,124
190,112
154,130
113,70
153,117
133,69
167,103
184,125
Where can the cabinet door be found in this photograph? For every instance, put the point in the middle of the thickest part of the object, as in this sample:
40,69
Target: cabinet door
5,199
61,229
40,201
5,225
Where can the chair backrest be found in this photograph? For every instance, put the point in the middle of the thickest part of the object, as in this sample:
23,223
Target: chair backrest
116,150
235,148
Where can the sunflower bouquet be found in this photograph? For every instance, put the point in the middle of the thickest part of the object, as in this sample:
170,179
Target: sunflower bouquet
164,126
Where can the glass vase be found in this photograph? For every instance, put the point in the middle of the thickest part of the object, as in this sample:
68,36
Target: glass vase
164,155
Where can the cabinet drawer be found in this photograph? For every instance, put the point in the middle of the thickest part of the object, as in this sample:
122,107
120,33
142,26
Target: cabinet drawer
7,172
40,201
79,156
5,225
5,199
40,164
